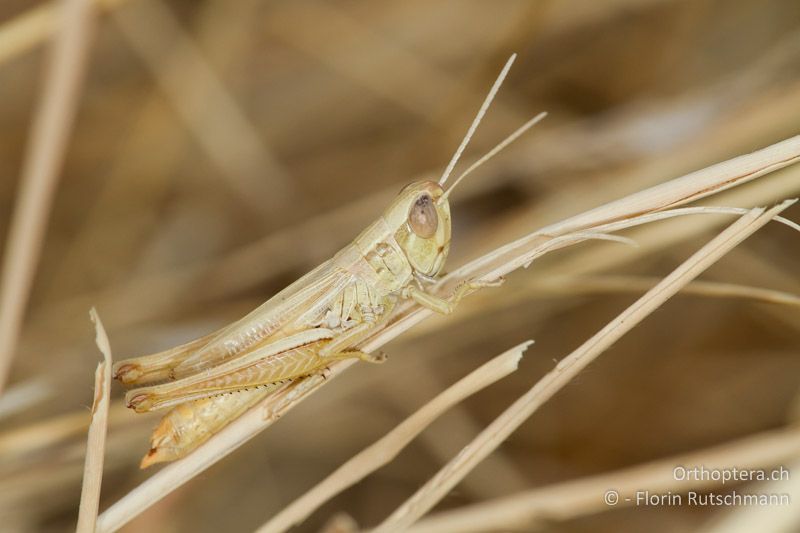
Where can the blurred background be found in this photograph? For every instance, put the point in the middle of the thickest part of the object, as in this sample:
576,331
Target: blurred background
223,149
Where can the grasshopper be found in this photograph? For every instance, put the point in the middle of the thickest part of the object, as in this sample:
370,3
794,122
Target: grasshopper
315,321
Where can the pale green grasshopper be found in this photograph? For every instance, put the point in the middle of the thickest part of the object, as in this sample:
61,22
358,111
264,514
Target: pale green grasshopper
318,319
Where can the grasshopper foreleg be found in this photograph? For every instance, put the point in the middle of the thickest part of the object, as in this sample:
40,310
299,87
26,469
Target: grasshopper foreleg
445,306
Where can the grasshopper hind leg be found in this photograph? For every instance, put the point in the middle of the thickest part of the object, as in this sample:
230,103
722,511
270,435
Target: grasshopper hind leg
158,366
280,367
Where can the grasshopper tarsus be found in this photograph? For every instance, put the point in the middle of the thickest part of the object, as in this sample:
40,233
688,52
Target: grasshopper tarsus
375,358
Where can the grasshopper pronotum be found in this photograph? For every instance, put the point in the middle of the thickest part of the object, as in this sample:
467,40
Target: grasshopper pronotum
318,319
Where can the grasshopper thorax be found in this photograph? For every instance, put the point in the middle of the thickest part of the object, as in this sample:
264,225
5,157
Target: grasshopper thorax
421,216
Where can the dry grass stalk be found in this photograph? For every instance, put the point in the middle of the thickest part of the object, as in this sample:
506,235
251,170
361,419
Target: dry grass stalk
206,106
604,284
381,78
35,26
556,284
384,450
44,155
340,523
777,519
21,396
96,442
51,432
26,31
671,233
153,126
674,193
494,434
571,499
490,266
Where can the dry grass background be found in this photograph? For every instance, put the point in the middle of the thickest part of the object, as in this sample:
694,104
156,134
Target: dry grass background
222,149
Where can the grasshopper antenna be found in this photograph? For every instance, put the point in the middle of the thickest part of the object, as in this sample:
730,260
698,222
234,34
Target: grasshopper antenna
494,151
482,111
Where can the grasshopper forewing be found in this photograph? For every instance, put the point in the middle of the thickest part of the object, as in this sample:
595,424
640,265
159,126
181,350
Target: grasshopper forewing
318,319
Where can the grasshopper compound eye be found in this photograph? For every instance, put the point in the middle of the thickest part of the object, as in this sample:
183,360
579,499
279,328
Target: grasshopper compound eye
422,218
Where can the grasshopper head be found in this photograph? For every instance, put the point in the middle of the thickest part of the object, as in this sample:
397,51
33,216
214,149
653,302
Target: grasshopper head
421,212
422,217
